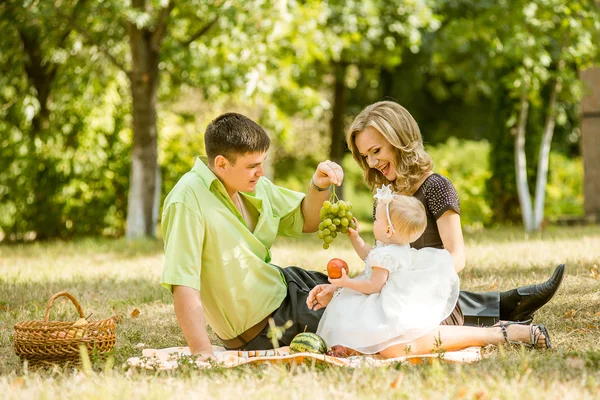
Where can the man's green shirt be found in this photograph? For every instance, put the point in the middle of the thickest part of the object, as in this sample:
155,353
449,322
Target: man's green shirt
208,247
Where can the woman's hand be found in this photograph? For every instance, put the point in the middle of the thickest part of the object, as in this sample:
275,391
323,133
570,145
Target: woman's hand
320,296
341,282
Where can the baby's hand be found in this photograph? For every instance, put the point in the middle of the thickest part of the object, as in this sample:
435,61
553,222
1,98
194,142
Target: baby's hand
341,282
353,233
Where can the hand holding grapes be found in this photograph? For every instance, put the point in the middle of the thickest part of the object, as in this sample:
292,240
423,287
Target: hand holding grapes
328,173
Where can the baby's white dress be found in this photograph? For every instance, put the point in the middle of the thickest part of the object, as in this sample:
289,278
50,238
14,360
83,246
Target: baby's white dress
421,291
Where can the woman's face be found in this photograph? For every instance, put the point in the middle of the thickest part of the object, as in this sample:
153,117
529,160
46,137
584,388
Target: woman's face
378,153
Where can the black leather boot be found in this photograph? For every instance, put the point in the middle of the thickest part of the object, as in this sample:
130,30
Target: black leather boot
535,296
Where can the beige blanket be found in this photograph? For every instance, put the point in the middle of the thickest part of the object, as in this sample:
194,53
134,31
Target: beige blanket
169,358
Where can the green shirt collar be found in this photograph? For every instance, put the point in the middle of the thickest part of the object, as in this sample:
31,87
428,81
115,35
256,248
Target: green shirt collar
207,176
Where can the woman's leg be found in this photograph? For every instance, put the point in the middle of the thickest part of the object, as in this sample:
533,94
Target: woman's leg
450,338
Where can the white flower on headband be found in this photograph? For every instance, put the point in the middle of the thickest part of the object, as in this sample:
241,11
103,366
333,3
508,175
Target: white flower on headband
384,194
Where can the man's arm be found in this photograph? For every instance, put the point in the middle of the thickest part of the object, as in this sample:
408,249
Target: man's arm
190,315
327,173
320,296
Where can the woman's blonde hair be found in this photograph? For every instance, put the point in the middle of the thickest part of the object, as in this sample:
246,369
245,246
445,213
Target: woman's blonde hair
408,216
400,129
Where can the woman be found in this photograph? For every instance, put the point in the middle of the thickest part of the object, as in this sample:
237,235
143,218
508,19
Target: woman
386,142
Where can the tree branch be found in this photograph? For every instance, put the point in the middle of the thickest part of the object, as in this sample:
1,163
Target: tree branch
93,42
544,156
521,162
200,32
67,32
161,26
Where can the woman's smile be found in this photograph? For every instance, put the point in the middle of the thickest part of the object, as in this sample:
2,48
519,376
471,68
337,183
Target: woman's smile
384,169
377,152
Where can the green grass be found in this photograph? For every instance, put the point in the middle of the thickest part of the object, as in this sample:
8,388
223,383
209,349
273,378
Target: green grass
115,277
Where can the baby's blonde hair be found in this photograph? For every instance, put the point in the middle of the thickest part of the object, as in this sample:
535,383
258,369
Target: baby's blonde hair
408,217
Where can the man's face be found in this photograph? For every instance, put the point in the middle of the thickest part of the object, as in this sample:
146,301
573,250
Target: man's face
243,174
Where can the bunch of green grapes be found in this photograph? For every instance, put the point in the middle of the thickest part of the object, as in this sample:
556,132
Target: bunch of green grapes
336,217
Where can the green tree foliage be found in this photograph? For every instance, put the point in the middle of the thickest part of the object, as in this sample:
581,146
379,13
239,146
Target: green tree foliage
82,78
467,164
347,38
60,123
217,46
517,52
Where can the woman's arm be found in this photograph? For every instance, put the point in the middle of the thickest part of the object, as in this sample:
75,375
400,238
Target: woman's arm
452,238
366,286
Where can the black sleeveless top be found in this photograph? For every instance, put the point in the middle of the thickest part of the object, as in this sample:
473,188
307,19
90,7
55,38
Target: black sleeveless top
438,196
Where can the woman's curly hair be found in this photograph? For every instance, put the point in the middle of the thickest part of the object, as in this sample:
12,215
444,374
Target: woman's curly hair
400,129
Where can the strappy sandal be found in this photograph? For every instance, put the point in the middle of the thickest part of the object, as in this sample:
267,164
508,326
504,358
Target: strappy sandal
535,332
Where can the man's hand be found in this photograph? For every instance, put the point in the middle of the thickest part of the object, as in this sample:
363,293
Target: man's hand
320,296
341,282
206,357
328,173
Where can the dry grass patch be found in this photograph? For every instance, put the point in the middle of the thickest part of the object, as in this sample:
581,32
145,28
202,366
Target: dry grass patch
109,277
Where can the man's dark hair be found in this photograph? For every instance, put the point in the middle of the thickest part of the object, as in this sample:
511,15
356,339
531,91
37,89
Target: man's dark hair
232,135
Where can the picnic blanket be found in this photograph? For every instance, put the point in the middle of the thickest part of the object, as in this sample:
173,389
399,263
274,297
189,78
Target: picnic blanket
170,358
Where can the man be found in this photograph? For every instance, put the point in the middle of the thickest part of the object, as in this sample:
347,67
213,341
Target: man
219,223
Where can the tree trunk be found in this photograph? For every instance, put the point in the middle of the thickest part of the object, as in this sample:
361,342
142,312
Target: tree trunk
143,197
40,75
590,142
542,174
386,80
338,139
521,165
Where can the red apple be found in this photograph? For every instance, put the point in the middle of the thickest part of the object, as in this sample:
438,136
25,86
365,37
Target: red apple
334,268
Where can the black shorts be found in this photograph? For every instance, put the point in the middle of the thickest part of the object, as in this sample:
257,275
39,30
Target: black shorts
293,308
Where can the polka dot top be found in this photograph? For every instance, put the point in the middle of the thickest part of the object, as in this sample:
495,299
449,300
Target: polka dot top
438,196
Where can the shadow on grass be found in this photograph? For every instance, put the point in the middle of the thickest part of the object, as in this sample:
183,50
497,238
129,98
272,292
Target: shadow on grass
93,245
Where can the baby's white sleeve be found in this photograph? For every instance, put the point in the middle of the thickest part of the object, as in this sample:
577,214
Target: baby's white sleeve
383,258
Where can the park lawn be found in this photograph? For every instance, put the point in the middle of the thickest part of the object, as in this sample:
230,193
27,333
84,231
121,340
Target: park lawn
115,277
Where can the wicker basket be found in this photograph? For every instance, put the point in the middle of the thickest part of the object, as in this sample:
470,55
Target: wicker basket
55,342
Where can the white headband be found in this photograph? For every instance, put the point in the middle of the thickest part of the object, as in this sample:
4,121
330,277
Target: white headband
385,195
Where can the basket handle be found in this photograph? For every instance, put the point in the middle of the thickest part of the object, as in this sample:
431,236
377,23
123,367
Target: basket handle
61,294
